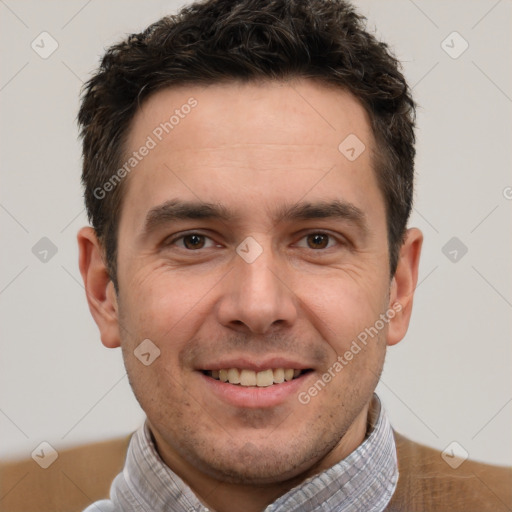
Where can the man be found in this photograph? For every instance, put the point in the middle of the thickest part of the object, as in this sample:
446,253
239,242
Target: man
248,173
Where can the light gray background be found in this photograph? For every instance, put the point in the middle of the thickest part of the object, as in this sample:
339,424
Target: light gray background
449,379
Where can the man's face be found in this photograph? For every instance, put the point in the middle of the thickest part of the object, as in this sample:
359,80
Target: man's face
293,296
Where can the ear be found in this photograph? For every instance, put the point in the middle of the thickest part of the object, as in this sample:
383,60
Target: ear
99,288
403,285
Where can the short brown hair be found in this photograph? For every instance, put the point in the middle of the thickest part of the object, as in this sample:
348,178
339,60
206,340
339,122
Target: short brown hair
248,40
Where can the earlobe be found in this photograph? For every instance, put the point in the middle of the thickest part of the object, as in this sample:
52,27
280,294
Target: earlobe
403,285
99,288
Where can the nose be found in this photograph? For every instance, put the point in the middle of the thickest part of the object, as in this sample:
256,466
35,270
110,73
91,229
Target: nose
257,297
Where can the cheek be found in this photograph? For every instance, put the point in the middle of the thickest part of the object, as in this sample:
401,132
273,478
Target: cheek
344,304
158,300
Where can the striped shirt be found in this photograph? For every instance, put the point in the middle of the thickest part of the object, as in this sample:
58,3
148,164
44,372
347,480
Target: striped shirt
363,481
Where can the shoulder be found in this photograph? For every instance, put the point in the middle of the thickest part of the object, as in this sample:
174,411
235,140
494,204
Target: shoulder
428,483
78,476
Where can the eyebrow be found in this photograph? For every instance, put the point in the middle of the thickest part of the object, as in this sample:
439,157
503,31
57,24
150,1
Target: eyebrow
175,210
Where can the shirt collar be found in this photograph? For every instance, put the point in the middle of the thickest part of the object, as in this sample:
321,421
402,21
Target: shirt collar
365,480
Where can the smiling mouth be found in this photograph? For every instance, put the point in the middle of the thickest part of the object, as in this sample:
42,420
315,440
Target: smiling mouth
250,378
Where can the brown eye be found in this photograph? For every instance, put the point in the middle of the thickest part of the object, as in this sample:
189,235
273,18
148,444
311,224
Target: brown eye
193,241
189,242
318,241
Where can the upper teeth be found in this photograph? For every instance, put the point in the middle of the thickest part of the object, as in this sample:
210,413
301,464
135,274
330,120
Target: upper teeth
252,378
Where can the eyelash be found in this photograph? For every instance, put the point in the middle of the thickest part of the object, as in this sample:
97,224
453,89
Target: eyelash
173,241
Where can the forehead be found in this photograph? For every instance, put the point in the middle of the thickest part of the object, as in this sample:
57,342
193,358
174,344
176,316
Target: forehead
252,145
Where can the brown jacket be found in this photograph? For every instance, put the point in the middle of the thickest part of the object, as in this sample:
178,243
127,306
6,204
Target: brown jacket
427,483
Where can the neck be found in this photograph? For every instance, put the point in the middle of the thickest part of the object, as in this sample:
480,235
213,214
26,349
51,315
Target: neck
222,496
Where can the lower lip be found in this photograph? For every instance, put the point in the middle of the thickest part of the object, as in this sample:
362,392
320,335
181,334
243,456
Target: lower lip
252,397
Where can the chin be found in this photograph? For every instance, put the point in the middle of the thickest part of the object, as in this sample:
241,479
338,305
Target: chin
253,464
267,473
